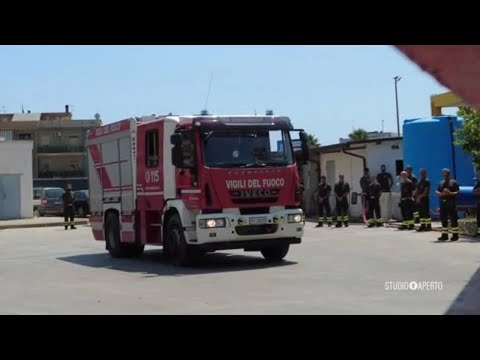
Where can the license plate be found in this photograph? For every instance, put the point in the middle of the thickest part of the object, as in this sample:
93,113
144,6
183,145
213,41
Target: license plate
258,220
58,202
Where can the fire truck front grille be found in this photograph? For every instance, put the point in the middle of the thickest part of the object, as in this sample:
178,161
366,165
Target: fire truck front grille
267,200
256,229
254,211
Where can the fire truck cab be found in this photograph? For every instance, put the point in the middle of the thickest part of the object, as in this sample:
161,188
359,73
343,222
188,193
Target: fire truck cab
197,184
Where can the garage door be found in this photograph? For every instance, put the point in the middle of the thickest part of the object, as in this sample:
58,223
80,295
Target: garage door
9,196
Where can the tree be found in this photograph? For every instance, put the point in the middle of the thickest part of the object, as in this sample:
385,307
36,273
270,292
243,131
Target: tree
358,134
312,141
468,136
97,116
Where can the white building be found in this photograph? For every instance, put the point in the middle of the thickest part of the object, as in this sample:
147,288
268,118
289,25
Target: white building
16,179
350,159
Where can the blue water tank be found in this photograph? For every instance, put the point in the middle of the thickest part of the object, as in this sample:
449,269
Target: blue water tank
428,143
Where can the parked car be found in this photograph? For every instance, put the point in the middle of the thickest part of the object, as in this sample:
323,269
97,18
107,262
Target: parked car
37,198
50,200
81,204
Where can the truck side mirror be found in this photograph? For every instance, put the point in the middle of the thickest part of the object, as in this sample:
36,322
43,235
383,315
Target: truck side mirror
177,158
183,151
300,147
176,139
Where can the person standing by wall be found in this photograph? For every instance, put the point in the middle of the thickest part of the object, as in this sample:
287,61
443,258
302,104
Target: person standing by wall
447,191
342,190
324,191
422,199
406,201
385,179
69,215
413,178
373,196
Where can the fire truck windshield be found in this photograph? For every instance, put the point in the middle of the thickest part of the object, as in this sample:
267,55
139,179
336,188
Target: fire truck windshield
246,148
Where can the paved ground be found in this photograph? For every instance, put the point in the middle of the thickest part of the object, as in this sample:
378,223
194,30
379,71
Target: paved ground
34,222
51,271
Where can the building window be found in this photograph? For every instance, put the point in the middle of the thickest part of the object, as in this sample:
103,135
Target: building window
73,140
24,136
151,143
398,167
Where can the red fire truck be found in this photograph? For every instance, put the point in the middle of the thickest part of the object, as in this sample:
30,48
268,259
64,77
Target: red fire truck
197,184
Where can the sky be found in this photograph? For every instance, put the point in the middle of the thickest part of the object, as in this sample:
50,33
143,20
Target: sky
326,90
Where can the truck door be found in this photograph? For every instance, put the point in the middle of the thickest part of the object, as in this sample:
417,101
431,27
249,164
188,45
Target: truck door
150,180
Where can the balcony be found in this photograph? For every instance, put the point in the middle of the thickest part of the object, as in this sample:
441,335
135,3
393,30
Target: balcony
61,174
60,149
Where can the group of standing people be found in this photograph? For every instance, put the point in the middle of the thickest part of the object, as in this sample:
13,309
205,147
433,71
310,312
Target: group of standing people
414,200
372,188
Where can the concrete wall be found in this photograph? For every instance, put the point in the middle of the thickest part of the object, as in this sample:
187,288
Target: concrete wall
352,168
387,152
16,159
384,153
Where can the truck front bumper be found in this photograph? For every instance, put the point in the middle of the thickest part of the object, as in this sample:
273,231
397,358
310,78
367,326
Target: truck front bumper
240,230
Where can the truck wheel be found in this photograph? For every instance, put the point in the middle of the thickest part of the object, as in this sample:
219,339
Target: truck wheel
275,253
112,236
175,245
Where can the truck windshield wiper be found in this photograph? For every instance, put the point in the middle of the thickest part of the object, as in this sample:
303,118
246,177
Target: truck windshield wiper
254,165
282,163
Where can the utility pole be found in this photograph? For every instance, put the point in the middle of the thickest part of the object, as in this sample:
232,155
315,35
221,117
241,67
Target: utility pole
397,79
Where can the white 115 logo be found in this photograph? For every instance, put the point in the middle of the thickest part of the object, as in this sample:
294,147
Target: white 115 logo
152,176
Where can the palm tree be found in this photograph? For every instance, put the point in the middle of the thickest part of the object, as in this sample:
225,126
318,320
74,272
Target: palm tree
312,141
358,134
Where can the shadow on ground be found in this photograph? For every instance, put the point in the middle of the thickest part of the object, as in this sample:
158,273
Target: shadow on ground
153,263
468,301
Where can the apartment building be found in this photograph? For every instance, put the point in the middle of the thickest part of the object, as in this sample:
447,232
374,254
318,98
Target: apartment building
59,153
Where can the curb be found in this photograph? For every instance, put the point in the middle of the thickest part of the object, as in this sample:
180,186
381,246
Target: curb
30,226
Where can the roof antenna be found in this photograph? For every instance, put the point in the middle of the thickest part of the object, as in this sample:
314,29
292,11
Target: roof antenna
208,93
23,110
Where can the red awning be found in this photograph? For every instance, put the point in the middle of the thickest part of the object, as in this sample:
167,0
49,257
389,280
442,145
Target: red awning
456,67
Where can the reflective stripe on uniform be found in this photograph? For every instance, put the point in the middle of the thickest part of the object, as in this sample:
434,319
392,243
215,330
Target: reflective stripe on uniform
455,230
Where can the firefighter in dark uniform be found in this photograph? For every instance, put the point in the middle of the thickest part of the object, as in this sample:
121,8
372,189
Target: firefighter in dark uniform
422,199
447,191
476,191
68,197
364,182
406,201
342,189
374,191
385,179
324,191
413,178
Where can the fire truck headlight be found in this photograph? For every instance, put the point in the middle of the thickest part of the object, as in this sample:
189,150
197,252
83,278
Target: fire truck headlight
295,218
211,223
